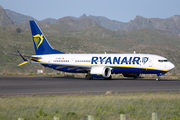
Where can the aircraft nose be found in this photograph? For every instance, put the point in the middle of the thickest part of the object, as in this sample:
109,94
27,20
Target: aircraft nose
171,66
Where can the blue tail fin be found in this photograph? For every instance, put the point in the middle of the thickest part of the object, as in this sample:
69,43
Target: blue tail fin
41,44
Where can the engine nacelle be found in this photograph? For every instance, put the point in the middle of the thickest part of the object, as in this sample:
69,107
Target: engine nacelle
100,71
132,75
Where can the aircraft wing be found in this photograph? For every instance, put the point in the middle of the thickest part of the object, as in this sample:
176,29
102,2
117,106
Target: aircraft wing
59,65
69,66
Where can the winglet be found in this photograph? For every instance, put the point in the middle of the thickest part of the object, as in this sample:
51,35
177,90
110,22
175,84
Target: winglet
25,60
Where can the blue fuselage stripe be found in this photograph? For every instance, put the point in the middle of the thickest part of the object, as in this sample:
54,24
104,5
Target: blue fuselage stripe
115,70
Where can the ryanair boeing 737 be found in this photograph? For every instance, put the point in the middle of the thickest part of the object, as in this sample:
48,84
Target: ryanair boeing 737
95,65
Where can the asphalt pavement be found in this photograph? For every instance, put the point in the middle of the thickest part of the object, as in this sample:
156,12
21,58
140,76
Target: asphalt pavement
43,85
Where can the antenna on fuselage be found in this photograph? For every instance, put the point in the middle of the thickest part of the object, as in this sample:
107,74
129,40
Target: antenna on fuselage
134,52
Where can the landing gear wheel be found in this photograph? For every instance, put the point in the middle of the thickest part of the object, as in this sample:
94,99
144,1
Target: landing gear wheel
158,78
109,78
88,77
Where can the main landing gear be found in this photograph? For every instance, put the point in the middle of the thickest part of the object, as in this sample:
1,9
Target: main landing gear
89,77
109,78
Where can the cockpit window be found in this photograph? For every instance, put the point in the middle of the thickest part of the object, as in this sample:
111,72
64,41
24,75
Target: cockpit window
163,61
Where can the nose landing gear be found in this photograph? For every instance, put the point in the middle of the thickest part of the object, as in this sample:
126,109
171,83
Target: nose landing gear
158,78
159,74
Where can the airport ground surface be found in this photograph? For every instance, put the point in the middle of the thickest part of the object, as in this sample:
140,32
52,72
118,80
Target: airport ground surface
43,85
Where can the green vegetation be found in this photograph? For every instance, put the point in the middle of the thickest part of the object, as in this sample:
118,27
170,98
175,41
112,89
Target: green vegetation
88,40
137,106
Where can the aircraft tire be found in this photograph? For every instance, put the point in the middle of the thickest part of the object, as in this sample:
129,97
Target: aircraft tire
158,78
109,78
88,77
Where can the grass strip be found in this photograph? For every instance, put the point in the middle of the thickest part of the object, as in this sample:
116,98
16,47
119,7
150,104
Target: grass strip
137,106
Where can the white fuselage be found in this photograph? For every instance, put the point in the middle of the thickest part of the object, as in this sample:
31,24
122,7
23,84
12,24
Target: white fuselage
120,63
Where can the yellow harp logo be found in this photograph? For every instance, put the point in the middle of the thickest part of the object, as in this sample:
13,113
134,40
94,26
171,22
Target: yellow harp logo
38,39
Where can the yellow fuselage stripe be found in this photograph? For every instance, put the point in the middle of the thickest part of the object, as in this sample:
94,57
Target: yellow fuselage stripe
97,73
38,60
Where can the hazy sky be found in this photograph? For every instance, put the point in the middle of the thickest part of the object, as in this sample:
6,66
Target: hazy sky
121,10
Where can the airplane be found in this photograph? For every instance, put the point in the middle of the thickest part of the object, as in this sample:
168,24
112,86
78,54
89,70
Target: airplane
95,65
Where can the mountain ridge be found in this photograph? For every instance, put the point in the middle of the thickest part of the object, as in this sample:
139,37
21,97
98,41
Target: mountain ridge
169,26
18,18
77,24
4,19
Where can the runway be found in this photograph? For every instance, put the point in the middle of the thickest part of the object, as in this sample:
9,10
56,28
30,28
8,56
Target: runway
43,85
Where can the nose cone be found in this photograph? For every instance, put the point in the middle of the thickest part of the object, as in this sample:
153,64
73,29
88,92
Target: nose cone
171,66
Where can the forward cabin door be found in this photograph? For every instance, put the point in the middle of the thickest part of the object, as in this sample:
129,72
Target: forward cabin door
72,60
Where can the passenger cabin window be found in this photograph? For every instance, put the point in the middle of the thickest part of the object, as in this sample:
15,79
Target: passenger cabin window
82,61
60,60
162,60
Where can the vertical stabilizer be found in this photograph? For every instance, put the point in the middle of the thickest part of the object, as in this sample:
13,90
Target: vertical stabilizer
41,44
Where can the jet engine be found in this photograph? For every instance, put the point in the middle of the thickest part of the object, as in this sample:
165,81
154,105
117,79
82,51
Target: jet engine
100,71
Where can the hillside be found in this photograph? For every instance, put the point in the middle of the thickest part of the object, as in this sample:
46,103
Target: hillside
169,24
77,24
50,20
89,34
4,19
88,40
105,22
17,17
25,25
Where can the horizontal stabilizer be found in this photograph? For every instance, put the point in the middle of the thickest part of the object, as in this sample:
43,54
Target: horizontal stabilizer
23,63
25,60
